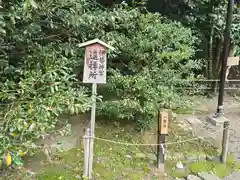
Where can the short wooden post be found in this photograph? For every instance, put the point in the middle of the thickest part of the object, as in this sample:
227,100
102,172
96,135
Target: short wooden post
160,150
162,132
86,142
225,141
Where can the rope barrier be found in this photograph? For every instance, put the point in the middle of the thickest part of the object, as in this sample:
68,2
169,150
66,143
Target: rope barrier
136,144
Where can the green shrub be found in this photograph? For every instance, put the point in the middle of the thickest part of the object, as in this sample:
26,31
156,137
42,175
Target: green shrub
31,107
156,55
41,65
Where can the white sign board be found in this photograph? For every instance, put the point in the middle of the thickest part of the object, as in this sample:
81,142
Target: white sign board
233,61
95,64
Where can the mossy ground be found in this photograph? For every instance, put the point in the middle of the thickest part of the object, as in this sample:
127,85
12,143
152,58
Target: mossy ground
111,161
114,161
196,148
221,170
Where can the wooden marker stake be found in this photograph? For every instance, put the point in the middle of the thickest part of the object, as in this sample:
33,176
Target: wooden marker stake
162,132
225,141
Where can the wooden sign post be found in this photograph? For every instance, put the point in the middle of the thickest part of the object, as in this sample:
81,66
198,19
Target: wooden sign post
162,132
95,72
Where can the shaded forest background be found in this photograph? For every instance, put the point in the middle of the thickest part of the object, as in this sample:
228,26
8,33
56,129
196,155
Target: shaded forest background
207,21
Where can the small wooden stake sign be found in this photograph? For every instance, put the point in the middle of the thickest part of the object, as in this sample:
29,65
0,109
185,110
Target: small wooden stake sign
95,72
163,122
162,132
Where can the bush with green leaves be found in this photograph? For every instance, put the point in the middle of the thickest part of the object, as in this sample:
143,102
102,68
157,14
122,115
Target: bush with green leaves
41,65
156,59
31,106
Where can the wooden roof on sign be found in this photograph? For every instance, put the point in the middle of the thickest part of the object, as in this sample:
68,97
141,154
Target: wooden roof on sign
94,41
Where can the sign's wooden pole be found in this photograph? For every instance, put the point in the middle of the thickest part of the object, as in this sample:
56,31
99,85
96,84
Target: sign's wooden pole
158,140
86,153
92,127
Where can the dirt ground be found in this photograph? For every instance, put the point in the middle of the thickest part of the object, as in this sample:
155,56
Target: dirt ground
51,144
232,112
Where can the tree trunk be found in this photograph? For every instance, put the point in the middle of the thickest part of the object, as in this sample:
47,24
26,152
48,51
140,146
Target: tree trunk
219,43
210,53
205,53
232,49
216,56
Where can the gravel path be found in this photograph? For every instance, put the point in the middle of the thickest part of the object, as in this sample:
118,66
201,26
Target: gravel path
232,112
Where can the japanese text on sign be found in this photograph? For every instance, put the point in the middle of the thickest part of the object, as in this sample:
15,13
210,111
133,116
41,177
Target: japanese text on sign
163,122
95,64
